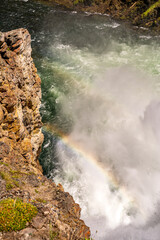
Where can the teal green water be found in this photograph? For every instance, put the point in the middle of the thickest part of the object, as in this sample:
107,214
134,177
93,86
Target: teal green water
100,86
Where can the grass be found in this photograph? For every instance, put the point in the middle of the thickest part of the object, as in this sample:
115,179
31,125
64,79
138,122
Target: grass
18,173
52,234
9,186
4,176
10,183
14,214
5,164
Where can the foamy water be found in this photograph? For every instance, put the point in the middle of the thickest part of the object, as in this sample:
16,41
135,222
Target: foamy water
117,122
110,160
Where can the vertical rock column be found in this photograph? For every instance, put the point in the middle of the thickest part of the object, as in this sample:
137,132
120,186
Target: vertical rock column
20,98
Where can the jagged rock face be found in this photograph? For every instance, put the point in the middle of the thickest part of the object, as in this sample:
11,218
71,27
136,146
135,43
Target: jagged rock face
20,95
20,144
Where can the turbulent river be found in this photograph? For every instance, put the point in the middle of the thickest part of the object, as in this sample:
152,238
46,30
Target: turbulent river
101,114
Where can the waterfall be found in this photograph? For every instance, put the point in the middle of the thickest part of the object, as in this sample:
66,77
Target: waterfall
110,160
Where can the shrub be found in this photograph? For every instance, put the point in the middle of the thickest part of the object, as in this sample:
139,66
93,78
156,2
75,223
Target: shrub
14,214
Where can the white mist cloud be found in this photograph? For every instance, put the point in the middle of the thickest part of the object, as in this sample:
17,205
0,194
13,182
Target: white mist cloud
117,121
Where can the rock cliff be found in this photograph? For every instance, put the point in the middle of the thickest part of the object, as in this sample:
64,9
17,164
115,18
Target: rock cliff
20,144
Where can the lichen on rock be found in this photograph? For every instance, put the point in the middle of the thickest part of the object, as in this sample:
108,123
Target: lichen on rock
20,144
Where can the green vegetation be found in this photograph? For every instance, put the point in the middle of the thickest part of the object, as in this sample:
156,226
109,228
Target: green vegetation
52,234
41,200
9,186
12,177
15,172
20,173
16,183
36,191
14,214
10,183
151,8
4,176
78,1
5,164
88,239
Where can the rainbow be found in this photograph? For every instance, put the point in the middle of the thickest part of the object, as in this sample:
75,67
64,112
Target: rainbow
99,165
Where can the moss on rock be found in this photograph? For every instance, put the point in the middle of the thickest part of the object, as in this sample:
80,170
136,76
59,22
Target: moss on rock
14,214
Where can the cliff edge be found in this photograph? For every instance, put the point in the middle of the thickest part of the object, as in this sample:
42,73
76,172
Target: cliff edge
58,216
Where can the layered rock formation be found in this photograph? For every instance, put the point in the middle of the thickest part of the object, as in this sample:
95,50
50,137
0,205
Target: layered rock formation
20,143
20,93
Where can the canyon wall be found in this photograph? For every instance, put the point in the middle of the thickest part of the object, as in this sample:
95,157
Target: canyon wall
20,144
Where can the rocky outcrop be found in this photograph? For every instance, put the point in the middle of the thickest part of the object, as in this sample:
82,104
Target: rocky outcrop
20,94
20,143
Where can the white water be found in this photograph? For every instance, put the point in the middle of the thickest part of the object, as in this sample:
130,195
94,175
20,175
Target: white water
116,120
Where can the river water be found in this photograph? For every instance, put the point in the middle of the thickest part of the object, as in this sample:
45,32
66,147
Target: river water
101,111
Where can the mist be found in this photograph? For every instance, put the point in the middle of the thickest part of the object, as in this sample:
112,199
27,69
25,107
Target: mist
116,122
